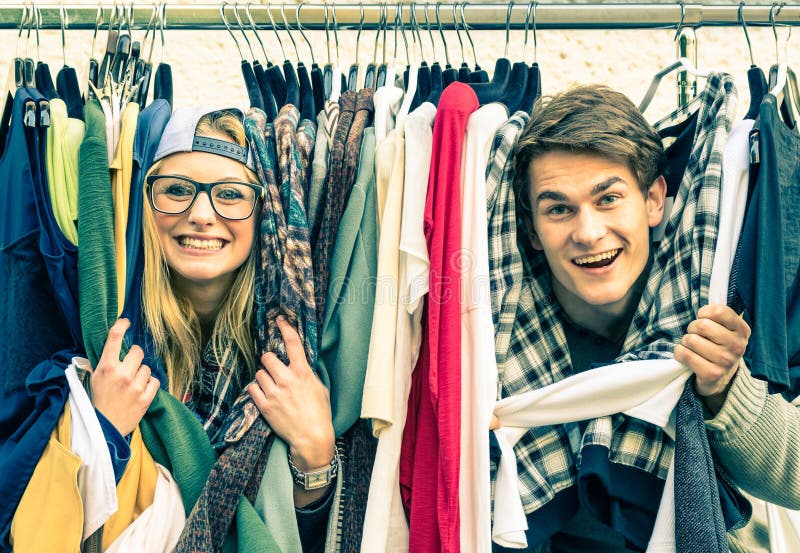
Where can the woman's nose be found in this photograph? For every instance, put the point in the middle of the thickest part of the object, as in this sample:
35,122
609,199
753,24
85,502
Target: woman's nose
202,212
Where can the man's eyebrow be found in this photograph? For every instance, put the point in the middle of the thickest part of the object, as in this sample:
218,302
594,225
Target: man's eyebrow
551,195
605,185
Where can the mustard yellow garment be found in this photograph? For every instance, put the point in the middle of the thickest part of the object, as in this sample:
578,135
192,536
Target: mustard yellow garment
121,168
64,137
52,500
135,490
50,515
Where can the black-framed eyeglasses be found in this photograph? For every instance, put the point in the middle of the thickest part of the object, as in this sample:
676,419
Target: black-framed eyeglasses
175,194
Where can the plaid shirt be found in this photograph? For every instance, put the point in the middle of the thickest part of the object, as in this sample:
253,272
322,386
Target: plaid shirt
530,343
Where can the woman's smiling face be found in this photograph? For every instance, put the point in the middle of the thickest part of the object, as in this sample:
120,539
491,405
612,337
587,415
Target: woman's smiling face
200,247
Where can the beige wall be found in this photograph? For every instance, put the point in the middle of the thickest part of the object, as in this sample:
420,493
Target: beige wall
206,64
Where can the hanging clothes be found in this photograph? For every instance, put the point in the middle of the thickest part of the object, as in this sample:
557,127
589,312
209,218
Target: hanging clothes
64,137
478,365
432,433
121,168
327,121
38,322
767,266
385,525
354,266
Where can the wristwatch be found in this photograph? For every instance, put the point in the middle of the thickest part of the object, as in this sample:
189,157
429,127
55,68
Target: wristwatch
315,479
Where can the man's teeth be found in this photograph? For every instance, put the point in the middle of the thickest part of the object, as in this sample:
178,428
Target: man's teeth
597,257
196,244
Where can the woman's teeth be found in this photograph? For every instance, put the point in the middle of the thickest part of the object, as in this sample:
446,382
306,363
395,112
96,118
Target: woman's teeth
196,244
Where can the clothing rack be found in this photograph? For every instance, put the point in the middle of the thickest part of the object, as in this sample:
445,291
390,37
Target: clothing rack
479,15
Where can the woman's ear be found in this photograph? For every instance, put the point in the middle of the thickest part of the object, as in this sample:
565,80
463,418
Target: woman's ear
656,194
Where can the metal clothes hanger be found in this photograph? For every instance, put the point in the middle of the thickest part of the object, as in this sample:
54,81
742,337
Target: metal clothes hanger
449,75
782,78
270,109
327,70
478,75
383,68
518,80
67,79
93,73
756,81
293,95
681,63
534,86
250,81
352,74
317,84
372,67
463,70
498,85
307,103
437,74
339,80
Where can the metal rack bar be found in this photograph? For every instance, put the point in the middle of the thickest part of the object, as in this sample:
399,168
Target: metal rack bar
480,15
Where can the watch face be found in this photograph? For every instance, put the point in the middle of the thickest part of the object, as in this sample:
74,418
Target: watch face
318,480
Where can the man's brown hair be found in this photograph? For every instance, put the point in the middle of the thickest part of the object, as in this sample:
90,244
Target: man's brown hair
593,119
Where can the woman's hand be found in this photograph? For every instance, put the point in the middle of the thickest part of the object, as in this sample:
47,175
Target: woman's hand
295,403
122,390
712,348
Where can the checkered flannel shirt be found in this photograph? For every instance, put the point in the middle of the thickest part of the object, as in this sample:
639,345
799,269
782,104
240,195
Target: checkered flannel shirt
530,343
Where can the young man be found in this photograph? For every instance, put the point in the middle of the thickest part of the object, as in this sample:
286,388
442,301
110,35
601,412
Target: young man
589,189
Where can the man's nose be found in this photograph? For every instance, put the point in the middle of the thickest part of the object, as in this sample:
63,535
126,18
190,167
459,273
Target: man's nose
589,227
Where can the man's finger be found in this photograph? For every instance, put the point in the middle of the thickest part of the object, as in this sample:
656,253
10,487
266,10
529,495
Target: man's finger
113,345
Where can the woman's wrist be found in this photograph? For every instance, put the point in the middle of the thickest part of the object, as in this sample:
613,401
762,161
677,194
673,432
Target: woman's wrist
313,454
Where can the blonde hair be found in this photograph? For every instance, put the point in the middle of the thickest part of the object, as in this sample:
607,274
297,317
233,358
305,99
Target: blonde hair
170,316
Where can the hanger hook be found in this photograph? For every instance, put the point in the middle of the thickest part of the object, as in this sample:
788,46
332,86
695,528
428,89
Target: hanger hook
289,31
378,34
63,17
533,24
430,32
241,29
162,20
302,33
151,23
360,27
255,29
38,20
680,23
98,21
275,29
469,36
335,31
441,32
508,27
746,34
416,37
772,14
327,30
458,32
228,27
527,22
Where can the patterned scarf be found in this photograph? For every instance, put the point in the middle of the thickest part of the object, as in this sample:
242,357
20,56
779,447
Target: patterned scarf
284,285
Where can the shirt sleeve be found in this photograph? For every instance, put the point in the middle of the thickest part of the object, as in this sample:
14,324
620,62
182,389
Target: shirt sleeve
312,522
118,446
756,440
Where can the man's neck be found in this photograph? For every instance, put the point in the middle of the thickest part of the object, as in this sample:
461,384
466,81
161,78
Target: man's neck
610,320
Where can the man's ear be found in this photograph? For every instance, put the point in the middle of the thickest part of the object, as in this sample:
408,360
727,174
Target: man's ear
656,194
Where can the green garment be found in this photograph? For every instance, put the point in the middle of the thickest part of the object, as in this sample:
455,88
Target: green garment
64,137
351,295
176,439
97,278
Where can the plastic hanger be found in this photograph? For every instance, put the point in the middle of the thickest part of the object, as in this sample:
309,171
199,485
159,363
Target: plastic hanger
681,63
778,85
497,86
437,78
309,97
370,73
16,75
352,74
289,71
275,78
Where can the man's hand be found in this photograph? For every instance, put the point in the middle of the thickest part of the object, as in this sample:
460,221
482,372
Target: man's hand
122,390
712,348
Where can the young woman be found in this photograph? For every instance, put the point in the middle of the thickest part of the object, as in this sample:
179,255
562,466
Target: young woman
200,228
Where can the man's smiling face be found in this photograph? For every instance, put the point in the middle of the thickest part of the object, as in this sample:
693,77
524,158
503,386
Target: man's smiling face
592,220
